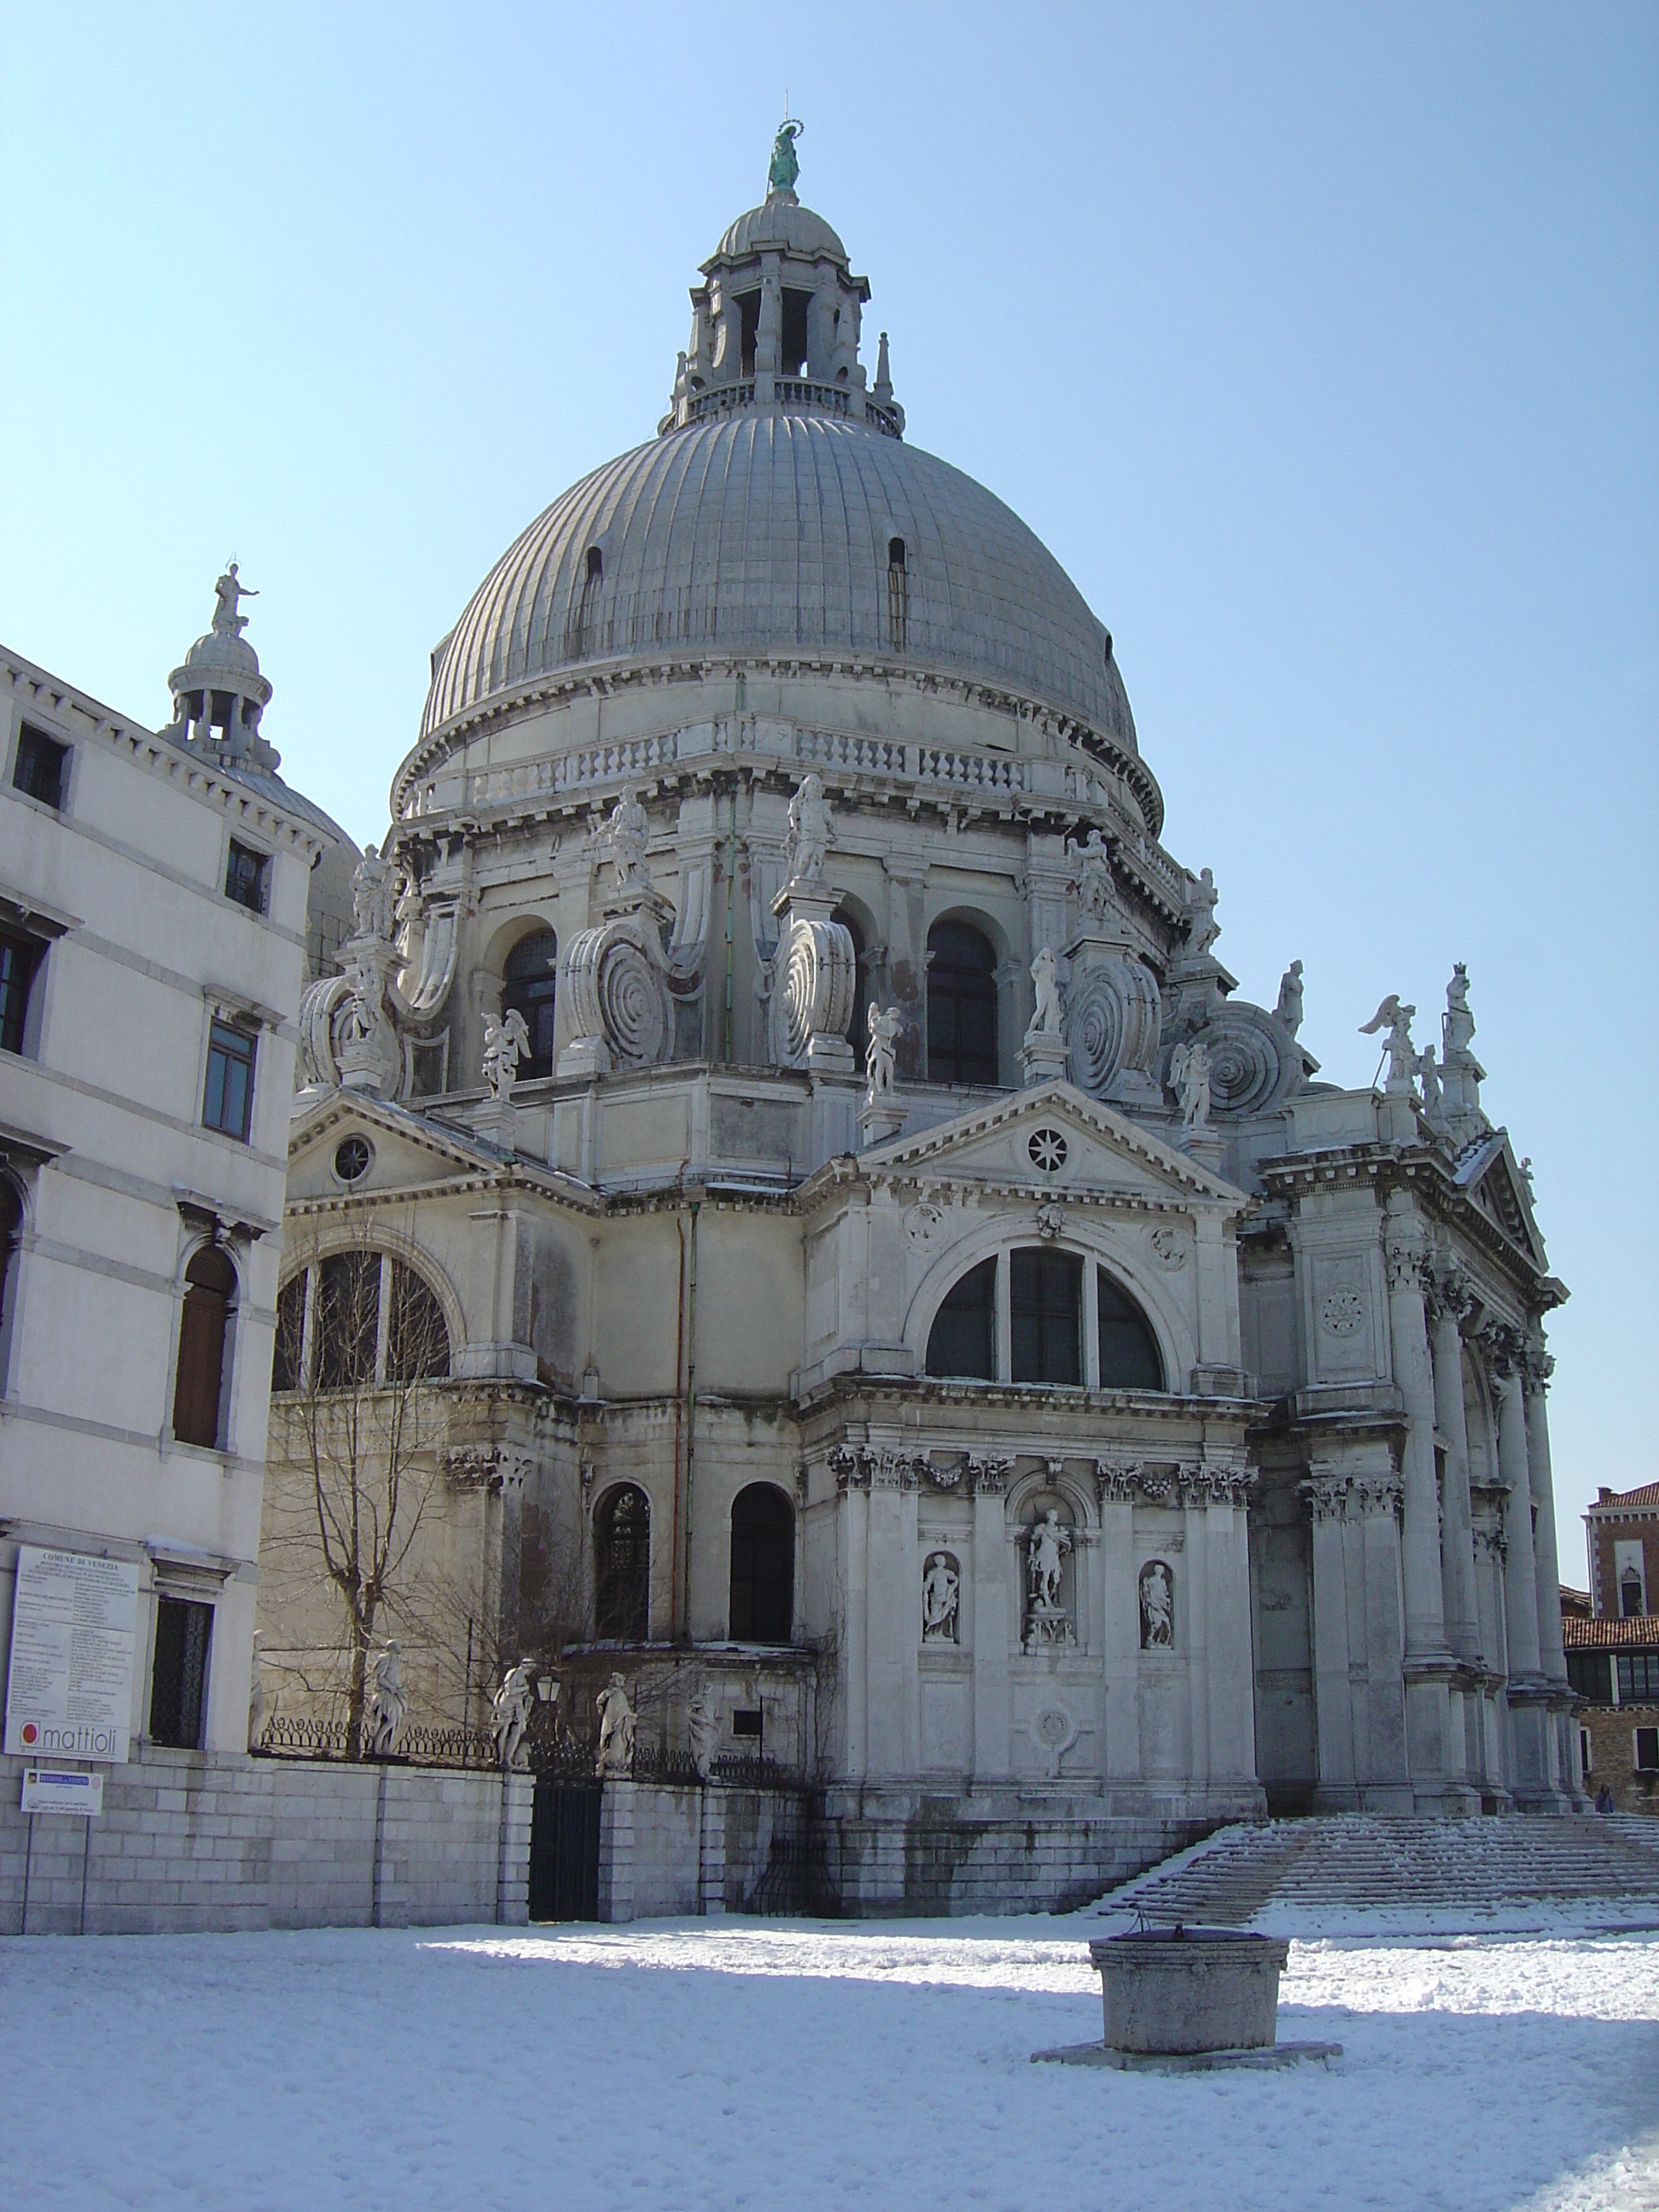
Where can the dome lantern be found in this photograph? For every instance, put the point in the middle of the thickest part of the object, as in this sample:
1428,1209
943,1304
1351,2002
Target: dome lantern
219,694
775,321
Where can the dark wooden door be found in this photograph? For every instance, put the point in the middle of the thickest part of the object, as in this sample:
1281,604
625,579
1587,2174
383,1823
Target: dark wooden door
564,1850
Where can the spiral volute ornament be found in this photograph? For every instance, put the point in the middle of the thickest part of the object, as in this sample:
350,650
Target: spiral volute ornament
1112,1014
819,980
1254,1061
617,990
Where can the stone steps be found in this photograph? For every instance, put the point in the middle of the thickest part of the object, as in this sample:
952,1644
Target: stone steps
1357,1862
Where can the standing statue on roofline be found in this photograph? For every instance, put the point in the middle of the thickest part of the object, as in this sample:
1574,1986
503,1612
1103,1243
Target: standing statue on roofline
227,622
780,177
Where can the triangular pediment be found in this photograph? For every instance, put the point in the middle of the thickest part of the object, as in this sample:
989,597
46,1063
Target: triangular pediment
1054,1137
410,1151
1491,1180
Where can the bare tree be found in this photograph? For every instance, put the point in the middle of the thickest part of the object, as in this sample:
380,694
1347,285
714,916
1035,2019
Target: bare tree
360,1343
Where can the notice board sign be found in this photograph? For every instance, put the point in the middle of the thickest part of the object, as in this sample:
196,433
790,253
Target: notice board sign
60,1790
73,1625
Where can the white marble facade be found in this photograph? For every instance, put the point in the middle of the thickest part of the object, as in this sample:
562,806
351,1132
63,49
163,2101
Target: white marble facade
1143,1422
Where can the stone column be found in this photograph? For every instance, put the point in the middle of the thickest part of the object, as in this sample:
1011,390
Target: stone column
1538,1369
1457,1532
1192,1619
617,1850
1232,1686
512,1867
1433,1732
1520,1563
1119,1622
990,1626
1386,1771
1327,1492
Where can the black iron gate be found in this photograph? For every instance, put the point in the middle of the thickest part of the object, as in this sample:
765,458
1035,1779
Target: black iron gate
564,1849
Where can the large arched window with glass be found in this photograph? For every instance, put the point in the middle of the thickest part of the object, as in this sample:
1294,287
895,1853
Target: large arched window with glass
1129,1359
1045,1315
529,985
962,1005
762,1594
358,1320
962,1340
622,1565
203,1328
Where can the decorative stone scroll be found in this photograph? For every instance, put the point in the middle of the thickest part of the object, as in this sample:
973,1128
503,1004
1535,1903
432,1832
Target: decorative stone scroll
880,1466
1329,1496
990,1476
614,981
1113,1015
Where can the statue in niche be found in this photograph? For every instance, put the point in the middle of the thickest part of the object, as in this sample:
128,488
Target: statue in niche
881,1055
1396,1019
386,1706
1093,873
810,834
1289,1008
1156,1607
1045,1558
941,1596
373,896
615,1730
1203,929
1190,1079
504,1040
1045,1021
227,623
625,834
510,1716
704,1729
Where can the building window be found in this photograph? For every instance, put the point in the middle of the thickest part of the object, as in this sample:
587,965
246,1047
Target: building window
962,1005
1638,1677
1045,1292
1128,1351
1589,1673
1647,1750
353,1157
38,772
179,1676
20,963
763,1566
898,596
621,1577
1584,1752
358,1320
531,975
963,1338
247,878
229,1105
1629,1595
210,1286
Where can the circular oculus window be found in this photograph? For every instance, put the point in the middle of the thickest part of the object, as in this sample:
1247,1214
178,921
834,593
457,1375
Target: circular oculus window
1047,1150
352,1158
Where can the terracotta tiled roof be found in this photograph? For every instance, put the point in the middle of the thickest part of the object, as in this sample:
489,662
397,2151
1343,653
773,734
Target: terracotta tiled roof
1646,1493
1610,1635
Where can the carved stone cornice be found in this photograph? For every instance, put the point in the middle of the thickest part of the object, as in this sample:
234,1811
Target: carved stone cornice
878,1467
1117,1480
990,1476
1380,1493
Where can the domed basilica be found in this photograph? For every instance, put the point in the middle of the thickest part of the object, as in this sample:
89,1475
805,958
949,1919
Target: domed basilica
873,1284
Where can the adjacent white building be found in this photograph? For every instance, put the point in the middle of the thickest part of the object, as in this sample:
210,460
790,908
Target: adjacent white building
154,898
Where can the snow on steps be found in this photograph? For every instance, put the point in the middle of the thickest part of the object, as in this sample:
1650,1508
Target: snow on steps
1368,1861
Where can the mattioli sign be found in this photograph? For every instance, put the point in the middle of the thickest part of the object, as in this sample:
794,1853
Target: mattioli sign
73,1625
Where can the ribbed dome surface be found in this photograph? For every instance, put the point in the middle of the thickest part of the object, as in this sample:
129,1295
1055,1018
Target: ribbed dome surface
781,221
769,532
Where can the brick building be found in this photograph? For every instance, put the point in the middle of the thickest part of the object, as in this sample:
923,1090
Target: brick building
1612,1647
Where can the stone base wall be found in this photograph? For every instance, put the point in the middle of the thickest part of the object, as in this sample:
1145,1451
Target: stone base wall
187,1841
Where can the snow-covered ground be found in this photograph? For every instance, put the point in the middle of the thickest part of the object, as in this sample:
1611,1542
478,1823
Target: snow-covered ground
691,2064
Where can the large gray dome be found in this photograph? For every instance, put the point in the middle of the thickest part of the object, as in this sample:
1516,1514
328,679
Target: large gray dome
769,533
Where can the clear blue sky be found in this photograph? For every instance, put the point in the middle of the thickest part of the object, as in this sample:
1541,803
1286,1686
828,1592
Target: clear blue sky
1320,343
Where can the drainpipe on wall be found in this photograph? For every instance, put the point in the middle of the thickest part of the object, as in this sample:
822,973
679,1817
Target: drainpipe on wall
690,1402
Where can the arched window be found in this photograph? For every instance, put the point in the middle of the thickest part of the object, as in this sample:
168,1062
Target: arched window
1630,1595
898,595
763,1566
964,1339
962,1005
858,1027
1128,1351
210,1282
358,1320
531,974
595,565
1045,1309
622,1566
